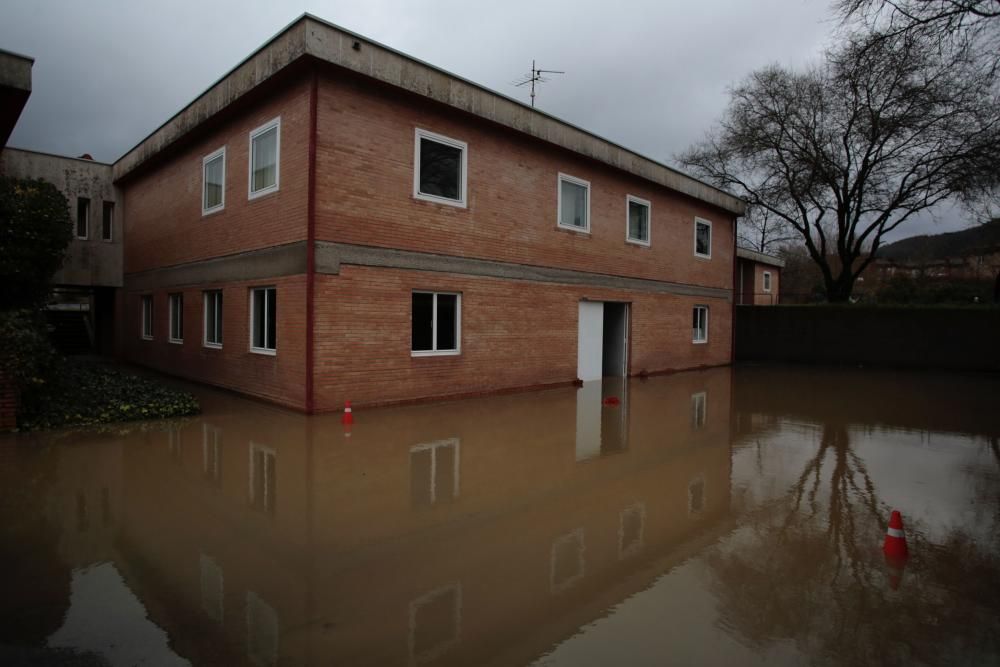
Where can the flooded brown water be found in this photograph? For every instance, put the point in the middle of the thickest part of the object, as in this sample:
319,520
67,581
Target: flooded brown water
721,517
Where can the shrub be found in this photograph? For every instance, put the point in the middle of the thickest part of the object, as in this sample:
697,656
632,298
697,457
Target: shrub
26,356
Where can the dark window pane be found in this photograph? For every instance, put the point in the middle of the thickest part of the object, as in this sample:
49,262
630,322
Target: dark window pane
704,239
82,211
440,169
444,474
422,332
213,183
108,220
573,205
421,461
638,221
272,319
446,315
265,160
258,318
218,317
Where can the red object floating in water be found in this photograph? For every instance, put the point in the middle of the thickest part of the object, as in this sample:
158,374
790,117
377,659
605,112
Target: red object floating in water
612,400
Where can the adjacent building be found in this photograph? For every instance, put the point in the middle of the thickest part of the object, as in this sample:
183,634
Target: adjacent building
758,278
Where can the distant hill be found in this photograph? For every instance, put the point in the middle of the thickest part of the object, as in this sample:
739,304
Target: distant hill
972,241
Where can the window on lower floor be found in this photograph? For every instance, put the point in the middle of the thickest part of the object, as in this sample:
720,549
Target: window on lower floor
108,220
82,217
436,323
213,318
176,318
263,320
700,324
767,281
146,317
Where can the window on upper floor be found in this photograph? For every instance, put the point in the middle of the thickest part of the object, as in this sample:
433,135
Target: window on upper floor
767,281
263,320
638,220
146,316
574,203
436,323
213,187
82,217
440,168
702,238
265,158
107,220
176,318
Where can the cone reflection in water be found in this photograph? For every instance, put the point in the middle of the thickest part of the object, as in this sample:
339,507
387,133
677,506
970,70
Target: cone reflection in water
895,541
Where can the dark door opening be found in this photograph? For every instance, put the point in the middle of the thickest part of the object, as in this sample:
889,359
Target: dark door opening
615,340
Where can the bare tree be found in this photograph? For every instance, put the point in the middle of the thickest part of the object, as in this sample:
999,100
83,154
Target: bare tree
763,231
847,151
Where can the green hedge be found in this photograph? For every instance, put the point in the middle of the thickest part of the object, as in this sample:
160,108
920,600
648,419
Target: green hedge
79,393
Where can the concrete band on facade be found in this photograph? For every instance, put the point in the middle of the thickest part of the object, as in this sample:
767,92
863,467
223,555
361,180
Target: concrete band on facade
310,37
290,259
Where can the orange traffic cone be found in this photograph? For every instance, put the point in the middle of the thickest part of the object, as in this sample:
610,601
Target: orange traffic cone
894,546
348,417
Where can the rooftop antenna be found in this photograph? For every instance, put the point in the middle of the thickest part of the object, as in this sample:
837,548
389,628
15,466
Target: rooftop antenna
536,77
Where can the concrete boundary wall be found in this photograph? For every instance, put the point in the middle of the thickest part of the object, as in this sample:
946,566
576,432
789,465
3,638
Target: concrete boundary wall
928,337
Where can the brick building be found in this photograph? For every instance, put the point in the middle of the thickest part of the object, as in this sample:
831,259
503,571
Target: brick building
758,278
335,220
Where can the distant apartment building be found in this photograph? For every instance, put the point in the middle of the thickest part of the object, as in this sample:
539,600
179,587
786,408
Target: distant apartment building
334,220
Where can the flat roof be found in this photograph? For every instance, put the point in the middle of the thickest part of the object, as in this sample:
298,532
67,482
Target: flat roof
309,36
746,253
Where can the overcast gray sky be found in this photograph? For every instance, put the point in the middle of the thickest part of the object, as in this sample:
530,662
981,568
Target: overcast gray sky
651,75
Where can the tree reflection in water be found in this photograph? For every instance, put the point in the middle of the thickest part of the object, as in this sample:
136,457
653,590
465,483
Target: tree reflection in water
808,568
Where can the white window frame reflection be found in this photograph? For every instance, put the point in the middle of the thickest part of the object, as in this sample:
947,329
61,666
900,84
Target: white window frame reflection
211,452
699,410
258,614
692,511
636,547
267,506
456,472
453,589
574,536
212,588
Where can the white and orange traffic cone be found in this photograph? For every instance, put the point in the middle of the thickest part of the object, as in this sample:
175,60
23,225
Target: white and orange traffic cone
347,419
895,541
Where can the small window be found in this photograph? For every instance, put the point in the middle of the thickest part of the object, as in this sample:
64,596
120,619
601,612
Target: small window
574,203
263,320
82,217
213,188
176,318
696,496
146,321
213,318
436,323
638,220
700,324
108,221
702,238
265,151
767,281
441,165
699,410
263,479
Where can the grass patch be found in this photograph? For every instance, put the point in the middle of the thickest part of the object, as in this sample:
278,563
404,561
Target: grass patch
76,393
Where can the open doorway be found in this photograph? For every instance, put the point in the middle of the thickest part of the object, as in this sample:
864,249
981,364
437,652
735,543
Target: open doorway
603,340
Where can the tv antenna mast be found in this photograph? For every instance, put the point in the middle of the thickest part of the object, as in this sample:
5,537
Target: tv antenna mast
536,77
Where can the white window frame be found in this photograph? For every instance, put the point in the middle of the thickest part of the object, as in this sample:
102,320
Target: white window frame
632,199
704,340
456,445
419,134
207,296
211,157
274,123
171,298
576,538
766,282
111,227
270,351
453,590
576,181
699,410
267,502
434,324
707,223
86,220
143,300
638,509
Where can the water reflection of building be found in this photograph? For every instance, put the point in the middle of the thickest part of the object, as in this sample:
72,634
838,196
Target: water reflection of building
446,534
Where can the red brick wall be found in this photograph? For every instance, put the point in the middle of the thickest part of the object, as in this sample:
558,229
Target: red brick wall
762,298
163,221
514,334
365,160
279,378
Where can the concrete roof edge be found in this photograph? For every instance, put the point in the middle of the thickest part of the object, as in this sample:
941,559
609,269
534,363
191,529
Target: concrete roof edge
57,155
313,36
746,253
